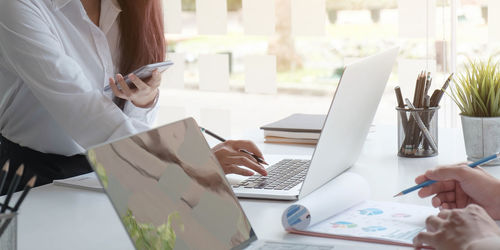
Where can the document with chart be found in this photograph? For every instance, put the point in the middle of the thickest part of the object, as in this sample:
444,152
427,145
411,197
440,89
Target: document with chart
340,209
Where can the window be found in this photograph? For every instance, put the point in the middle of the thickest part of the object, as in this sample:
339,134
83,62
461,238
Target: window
243,63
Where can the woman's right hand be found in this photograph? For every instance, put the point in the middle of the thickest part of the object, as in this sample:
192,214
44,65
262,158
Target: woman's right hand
145,93
460,185
231,158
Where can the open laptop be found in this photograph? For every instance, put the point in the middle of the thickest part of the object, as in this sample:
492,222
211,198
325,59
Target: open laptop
171,193
344,132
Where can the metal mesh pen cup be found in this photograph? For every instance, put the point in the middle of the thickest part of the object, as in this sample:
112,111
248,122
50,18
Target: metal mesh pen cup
417,132
8,231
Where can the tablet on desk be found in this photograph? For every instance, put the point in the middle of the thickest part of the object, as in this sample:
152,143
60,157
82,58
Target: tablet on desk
144,72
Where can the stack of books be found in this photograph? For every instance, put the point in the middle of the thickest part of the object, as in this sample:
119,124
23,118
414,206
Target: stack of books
295,129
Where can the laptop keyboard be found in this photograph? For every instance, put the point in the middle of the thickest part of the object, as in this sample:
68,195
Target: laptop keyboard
283,175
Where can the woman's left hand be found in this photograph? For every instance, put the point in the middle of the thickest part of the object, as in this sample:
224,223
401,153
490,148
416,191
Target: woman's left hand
230,157
145,93
457,229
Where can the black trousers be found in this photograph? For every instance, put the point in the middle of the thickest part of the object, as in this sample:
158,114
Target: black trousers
47,167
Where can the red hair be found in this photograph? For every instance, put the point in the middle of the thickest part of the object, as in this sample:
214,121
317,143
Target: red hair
141,29
141,36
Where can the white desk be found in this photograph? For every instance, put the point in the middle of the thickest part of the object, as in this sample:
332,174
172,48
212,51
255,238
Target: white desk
63,218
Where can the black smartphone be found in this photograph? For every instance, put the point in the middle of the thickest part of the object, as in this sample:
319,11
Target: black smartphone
144,72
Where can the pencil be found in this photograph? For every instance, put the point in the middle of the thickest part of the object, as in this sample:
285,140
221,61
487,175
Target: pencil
399,97
429,182
422,126
417,89
214,135
436,97
427,119
427,101
423,83
401,104
439,93
428,83
447,83
5,171
12,187
27,188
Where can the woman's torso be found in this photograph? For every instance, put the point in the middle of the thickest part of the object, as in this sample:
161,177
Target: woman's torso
23,119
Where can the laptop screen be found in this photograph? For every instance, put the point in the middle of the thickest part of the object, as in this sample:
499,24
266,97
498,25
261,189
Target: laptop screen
170,191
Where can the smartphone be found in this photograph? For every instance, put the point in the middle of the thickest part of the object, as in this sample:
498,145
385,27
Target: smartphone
144,72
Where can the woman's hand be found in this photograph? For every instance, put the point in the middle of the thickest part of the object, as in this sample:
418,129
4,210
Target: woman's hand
145,93
230,157
460,185
458,229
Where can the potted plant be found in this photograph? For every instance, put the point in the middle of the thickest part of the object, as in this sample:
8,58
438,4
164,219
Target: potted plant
477,93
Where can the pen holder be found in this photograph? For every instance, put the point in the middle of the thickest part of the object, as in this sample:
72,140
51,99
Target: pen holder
417,132
8,231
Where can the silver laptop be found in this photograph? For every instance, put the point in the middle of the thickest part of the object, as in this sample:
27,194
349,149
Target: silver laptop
171,193
344,132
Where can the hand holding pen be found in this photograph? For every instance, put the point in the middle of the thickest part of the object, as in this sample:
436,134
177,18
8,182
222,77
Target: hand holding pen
454,173
459,186
232,154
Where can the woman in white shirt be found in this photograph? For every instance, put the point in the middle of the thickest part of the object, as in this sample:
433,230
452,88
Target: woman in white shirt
56,57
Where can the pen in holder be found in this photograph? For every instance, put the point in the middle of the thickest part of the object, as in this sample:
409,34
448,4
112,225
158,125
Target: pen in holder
417,131
418,121
8,213
8,230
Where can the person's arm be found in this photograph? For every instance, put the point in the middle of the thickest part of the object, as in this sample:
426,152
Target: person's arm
146,115
35,54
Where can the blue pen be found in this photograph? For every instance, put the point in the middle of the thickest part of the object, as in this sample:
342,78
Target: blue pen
429,182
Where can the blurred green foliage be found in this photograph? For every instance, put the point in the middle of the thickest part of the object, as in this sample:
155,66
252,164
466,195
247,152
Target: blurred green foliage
147,236
101,172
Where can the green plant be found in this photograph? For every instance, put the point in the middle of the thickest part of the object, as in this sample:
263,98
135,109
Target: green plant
99,169
476,91
147,236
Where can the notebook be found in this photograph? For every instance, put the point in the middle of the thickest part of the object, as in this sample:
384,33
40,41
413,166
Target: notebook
307,123
87,181
295,129
285,140
341,209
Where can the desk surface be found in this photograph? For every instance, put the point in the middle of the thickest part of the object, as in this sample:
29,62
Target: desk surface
56,217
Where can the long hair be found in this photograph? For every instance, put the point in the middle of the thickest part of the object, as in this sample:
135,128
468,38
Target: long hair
141,35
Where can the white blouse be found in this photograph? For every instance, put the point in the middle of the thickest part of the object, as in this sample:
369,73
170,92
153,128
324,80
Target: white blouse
54,65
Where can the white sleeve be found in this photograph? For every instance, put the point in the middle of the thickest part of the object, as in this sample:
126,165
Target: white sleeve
57,80
146,115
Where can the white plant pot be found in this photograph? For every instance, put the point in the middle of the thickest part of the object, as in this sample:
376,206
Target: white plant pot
482,137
